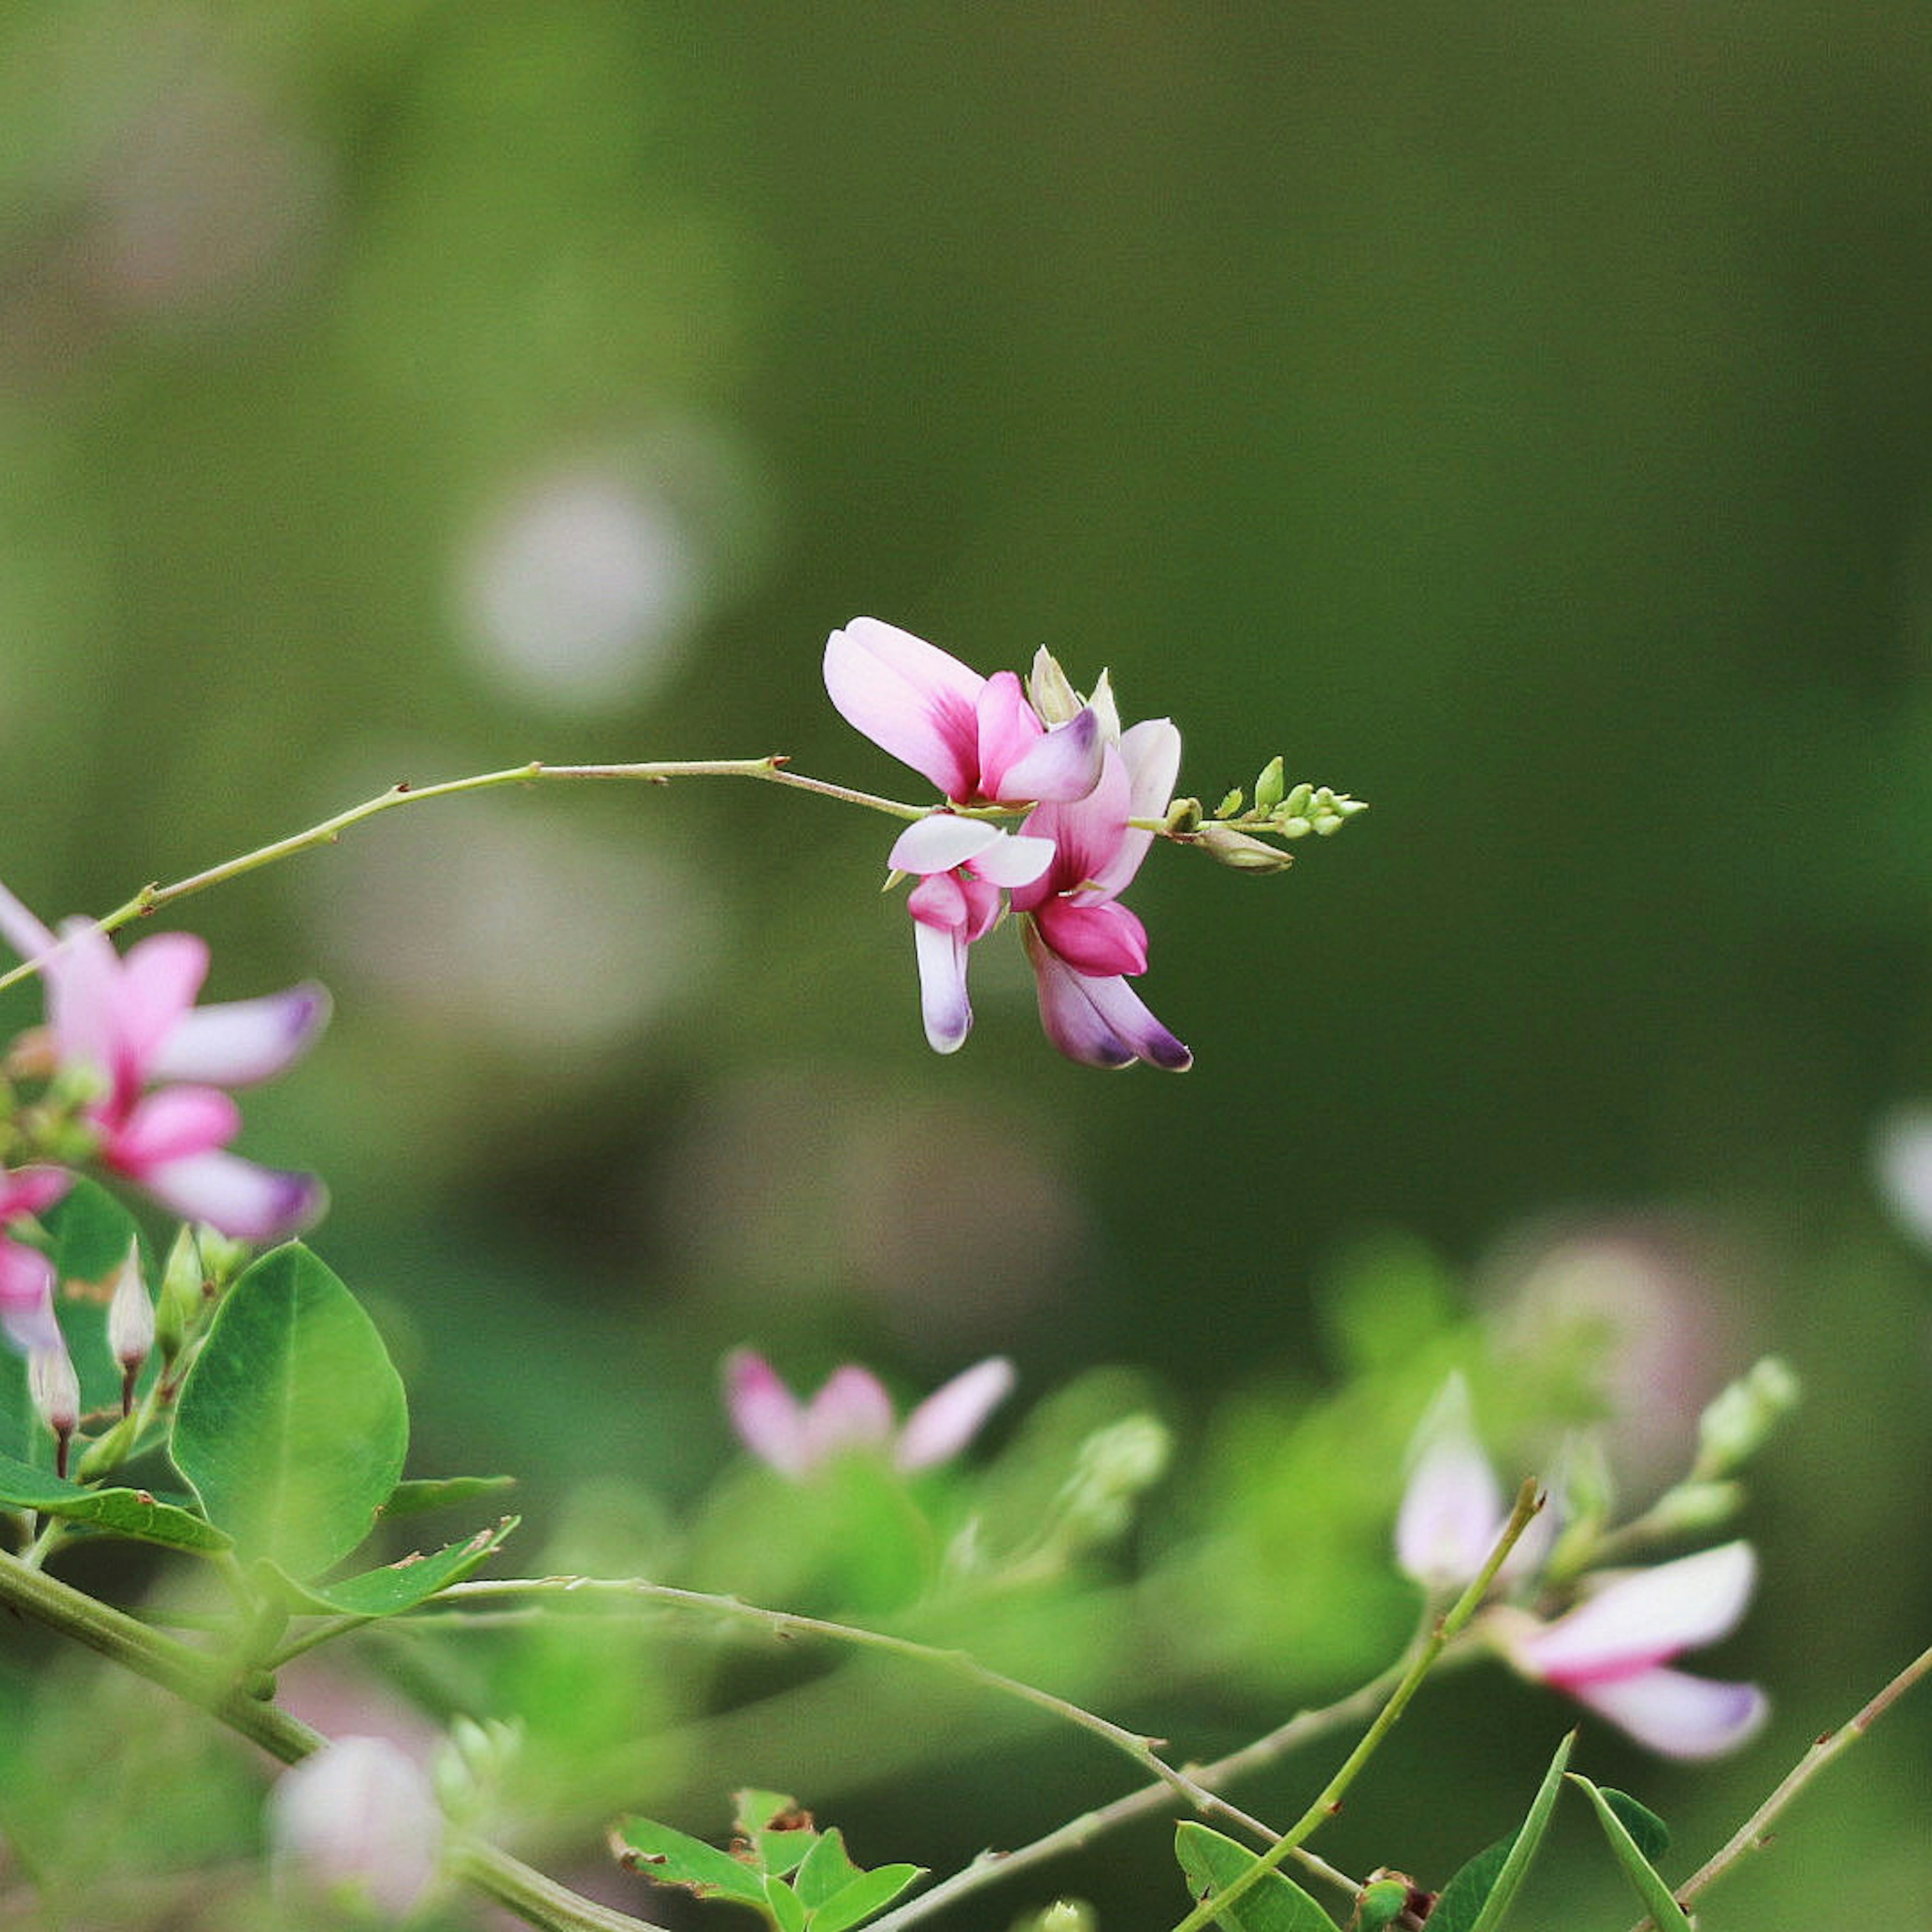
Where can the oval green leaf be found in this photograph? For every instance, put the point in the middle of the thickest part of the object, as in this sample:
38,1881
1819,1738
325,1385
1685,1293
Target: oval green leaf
1213,1862
292,1424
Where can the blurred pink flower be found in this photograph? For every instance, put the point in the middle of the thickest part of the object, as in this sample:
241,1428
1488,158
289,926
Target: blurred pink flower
132,1024
1082,942
358,1825
1610,1652
852,1411
26,1275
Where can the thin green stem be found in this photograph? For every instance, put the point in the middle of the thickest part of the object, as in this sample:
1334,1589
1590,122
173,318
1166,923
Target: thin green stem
1754,1833
788,1623
1529,1501
770,770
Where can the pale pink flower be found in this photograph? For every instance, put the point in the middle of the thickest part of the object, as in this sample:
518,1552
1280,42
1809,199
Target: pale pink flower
1083,943
132,1024
980,743
1609,1653
26,1275
852,1411
357,1824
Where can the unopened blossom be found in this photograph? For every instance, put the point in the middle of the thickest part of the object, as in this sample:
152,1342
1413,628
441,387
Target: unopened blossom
356,1823
1083,943
131,1026
26,1275
852,1411
981,742
1611,1652
1453,1509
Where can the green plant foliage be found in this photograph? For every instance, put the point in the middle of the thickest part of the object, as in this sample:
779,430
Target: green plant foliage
802,1879
1212,1862
1616,1813
90,1233
401,1586
419,1498
1482,1891
118,1512
292,1424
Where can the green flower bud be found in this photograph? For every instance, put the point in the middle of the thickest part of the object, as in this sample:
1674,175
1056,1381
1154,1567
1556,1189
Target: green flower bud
1693,1506
1231,804
1380,1903
1741,1417
1270,786
1245,854
1184,816
179,1308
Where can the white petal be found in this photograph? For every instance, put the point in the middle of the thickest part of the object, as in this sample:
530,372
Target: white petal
938,843
1014,859
1645,1617
237,1042
943,1003
1452,1511
1679,1715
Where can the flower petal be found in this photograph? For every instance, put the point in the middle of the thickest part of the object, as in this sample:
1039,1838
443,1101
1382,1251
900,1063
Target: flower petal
852,1411
243,1201
949,1418
943,1004
1062,765
1099,939
1015,859
159,978
910,698
1677,1715
766,1414
1008,728
237,1042
1150,751
1452,1510
26,1298
940,841
1099,1022
83,979
1642,1618
31,1190
22,931
176,1122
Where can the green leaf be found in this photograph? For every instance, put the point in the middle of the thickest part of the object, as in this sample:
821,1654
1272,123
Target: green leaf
132,1512
753,1811
292,1424
1652,1834
826,1869
1646,1880
786,1907
1476,1898
869,1894
781,1853
1213,1862
668,1857
418,1498
401,1586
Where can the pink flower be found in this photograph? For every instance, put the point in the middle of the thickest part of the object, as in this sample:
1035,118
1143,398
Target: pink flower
132,1025
26,1275
980,743
357,1824
1083,943
853,1411
1610,1652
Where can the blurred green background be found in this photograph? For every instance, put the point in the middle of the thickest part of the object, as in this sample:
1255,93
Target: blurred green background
1521,417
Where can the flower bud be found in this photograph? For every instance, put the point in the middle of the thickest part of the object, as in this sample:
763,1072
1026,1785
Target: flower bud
1049,690
54,1388
1270,786
131,1315
1184,816
179,1308
1693,1506
1741,1416
1244,853
356,1824
1065,1915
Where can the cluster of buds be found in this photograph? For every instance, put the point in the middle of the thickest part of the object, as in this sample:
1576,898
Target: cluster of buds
1240,835
132,1078
1611,1650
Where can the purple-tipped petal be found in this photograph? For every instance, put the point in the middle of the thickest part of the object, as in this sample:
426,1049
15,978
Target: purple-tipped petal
910,698
172,1125
766,1414
1677,1715
241,1200
1100,938
852,1411
1644,1619
1060,766
949,1418
938,843
1452,1510
1099,1022
237,1042
943,1007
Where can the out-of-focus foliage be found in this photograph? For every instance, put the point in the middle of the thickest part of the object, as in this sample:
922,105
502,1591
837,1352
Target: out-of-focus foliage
1521,419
